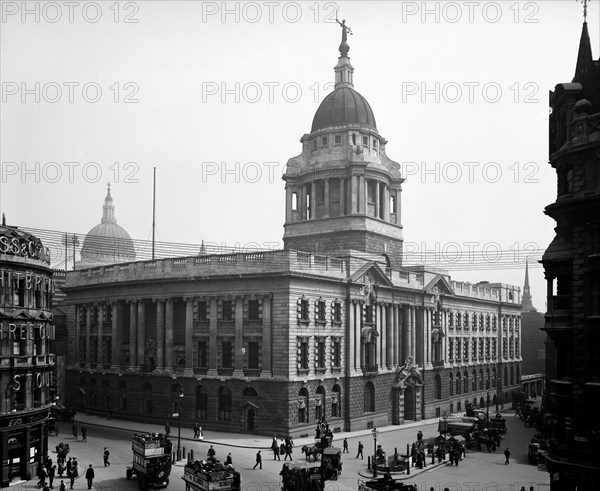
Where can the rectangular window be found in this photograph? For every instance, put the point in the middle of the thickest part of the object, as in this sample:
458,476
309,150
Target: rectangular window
202,401
365,140
227,306
466,349
203,354
337,352
458,349
451,349
321,353
314,144
253,355
321,312
324,141
202,311
253,310
337,312
338,139
303,355
304,310
227,361
320,191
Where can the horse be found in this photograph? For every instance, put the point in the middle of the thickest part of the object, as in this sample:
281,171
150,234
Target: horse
312,451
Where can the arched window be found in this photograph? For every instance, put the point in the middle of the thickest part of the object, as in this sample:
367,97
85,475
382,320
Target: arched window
320,403
487,378
474,380
518,371
458,383
466,382
250,392
147,402
505,375
122,402
303,405
512,375
201,402
437,384
336,398
369,398
451,385
494,377
481,379
224,404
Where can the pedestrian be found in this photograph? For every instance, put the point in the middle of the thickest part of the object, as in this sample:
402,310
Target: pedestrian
228,460
274,442
167,429
75,467
288,451
74,430
211,452
345,446
106,455
258,460
108,416
196,429
84,433
42,474
61,469
51,474
360,451
71,476
276,453
62,486
89,475
507,455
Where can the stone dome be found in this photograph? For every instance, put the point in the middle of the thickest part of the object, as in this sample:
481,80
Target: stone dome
343,106
107,242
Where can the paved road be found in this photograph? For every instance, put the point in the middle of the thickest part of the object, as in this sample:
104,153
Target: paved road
480,471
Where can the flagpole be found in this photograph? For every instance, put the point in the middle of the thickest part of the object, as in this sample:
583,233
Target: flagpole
153,210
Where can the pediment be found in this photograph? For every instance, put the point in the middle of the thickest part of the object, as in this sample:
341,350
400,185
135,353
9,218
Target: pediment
371,273
439,285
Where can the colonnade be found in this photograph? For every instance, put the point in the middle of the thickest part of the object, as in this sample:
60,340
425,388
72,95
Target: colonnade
301,199
162,337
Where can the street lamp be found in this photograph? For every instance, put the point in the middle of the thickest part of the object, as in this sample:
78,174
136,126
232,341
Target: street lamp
375,433
497,388
179,425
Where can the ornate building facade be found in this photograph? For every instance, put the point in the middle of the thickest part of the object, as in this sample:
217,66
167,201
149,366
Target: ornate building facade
331,326
572,269
26,361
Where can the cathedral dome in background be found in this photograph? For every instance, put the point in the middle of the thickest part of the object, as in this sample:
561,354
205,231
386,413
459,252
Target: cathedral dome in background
107,242
343,106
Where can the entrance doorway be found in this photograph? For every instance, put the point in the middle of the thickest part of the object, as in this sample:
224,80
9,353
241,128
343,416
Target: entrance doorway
250,416
410,406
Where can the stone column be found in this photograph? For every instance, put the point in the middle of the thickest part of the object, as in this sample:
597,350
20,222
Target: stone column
100,357
377,200
354,194
132,334
386,203
313,200
362,197
266,371
212,338
141,335
189,337
303,198
351,337
413,332
160,334
407,332
428,340
238,358
288,202
77,363
116,341
389,335
88,336
326,197
342,198
395,336
380,327
169,320
398,206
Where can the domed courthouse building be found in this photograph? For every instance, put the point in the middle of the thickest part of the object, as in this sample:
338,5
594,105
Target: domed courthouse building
333,325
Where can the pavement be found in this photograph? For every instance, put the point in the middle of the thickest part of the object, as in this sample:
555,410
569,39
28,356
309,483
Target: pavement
240,440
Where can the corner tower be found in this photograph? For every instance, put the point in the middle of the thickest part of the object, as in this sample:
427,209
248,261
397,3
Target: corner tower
342,191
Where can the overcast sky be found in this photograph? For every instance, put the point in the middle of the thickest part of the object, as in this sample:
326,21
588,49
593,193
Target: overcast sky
217,95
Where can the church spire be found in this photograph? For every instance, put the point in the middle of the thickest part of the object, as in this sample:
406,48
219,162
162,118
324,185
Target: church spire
585,60
526,299
344,71
108,209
